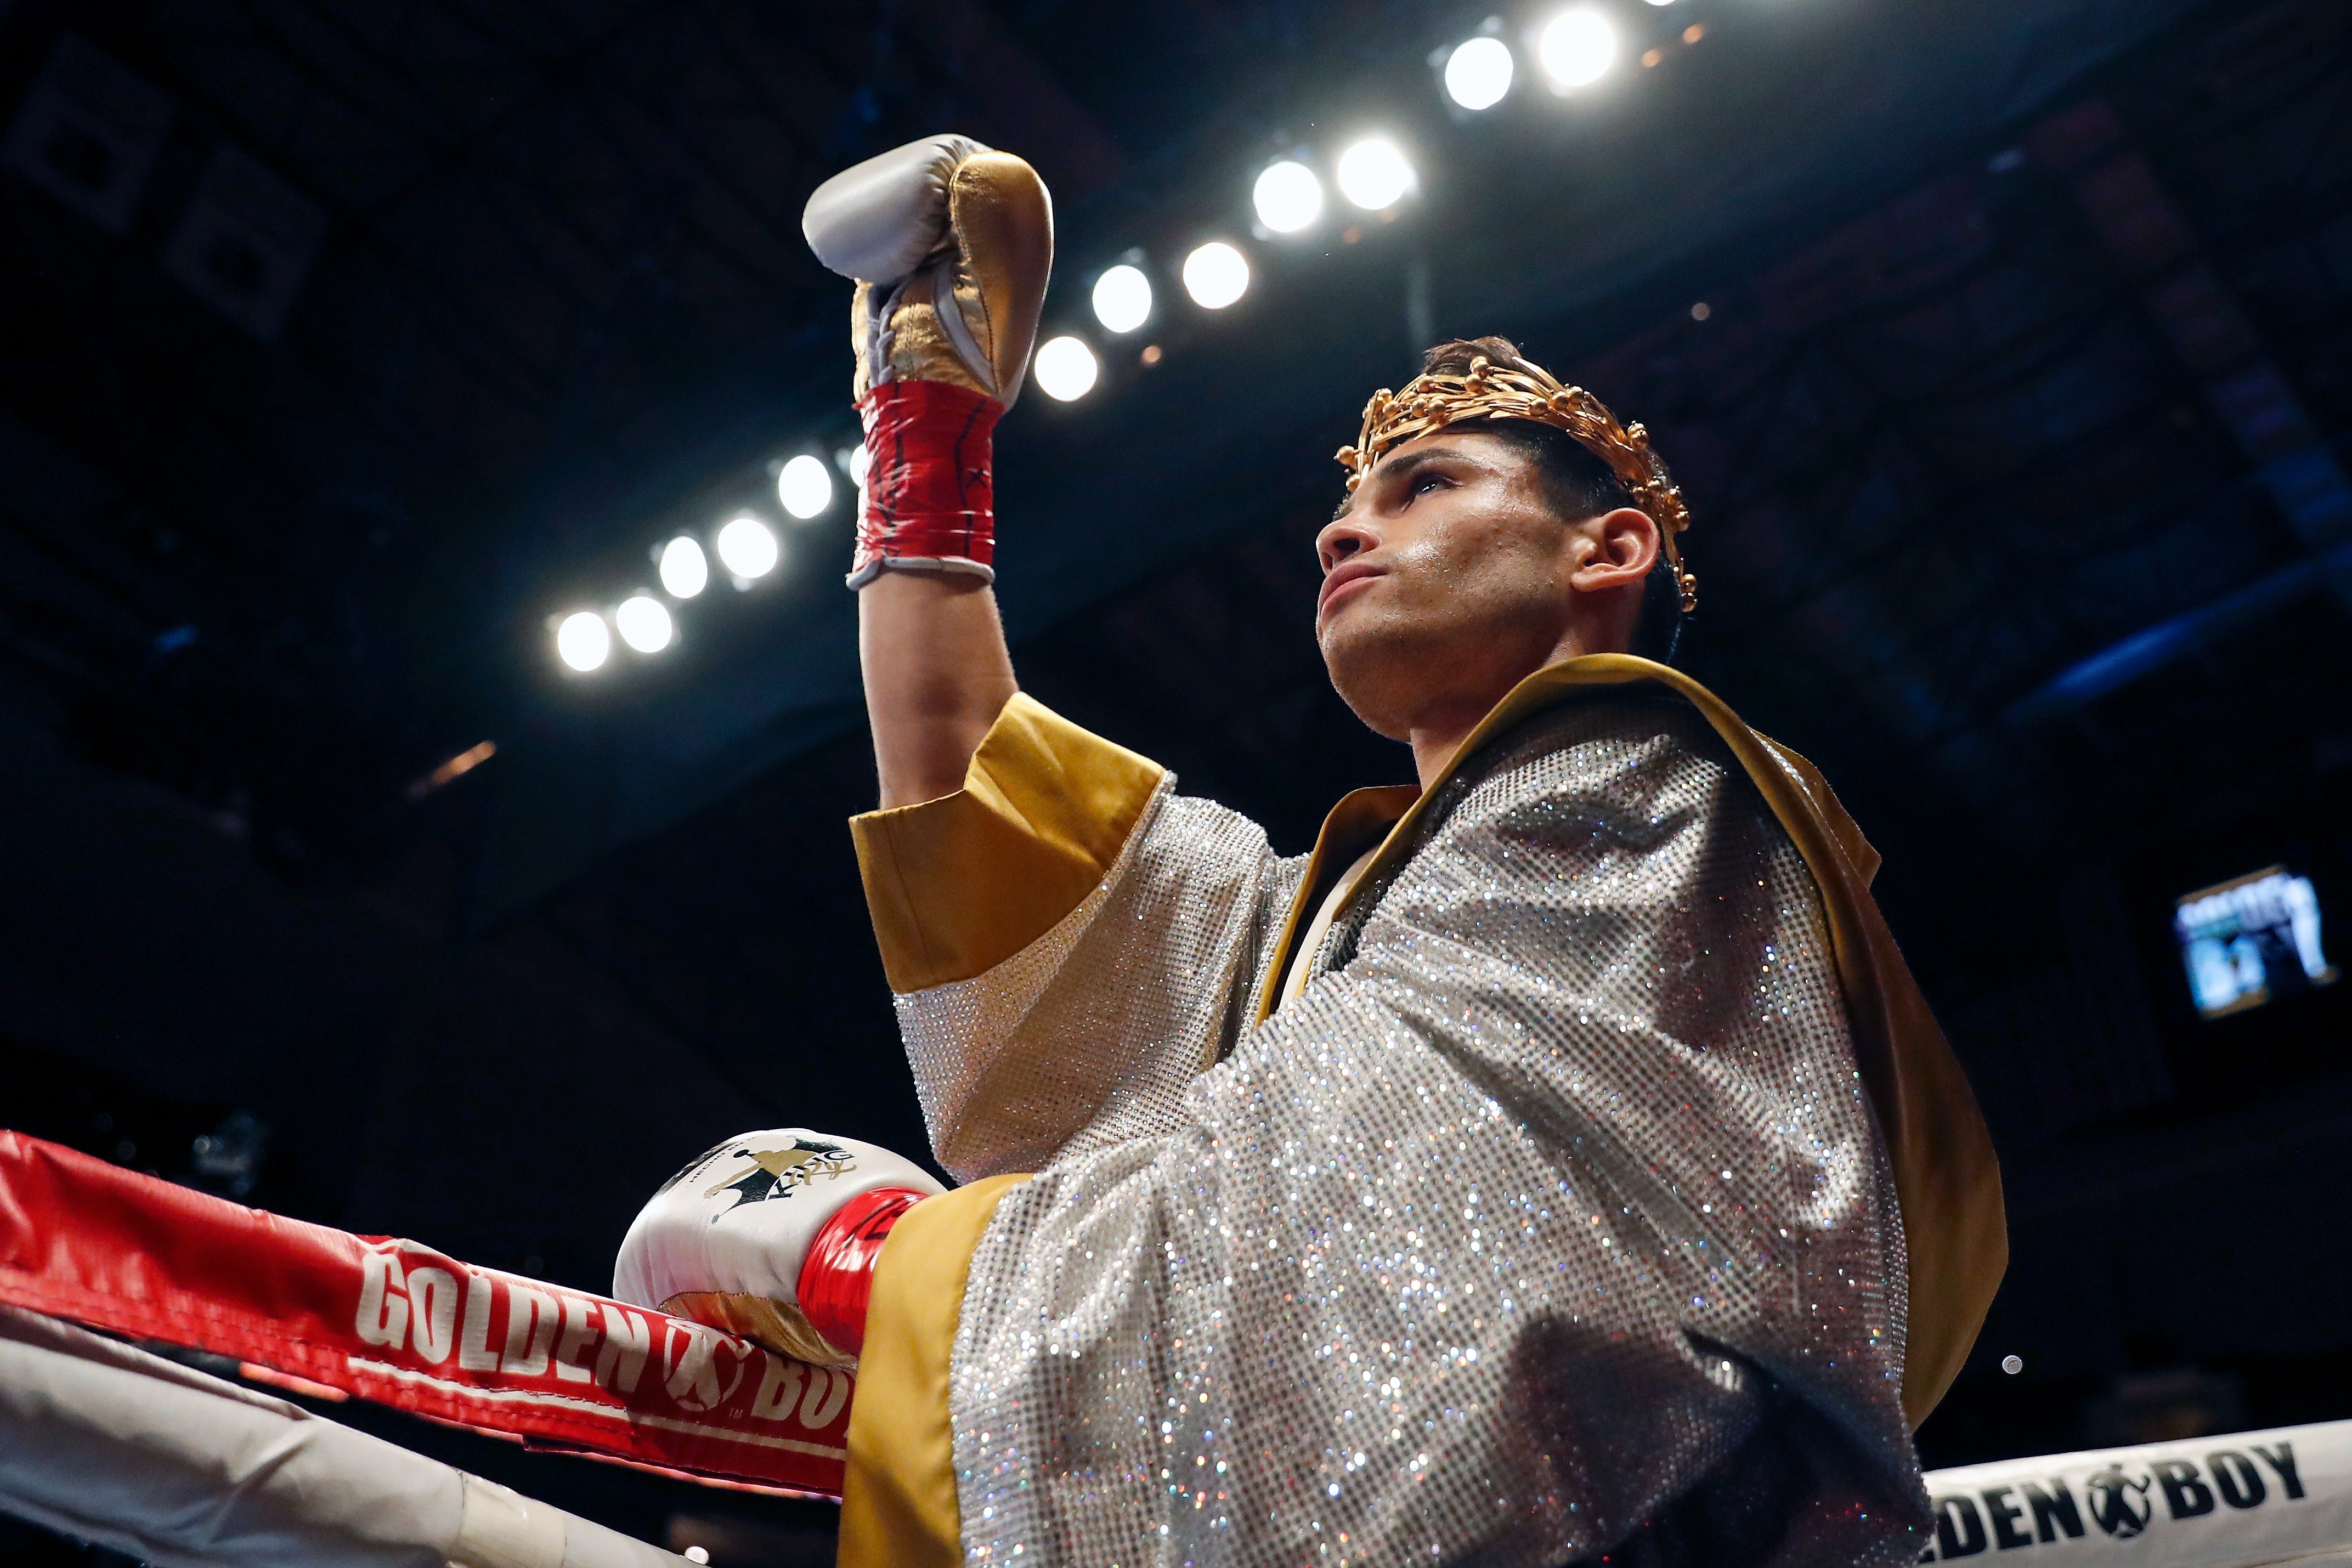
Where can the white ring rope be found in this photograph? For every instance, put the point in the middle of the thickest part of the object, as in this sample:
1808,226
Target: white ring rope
2232,1501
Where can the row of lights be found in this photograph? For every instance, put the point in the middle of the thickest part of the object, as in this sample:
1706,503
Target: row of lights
1373,174
747,546
1575,48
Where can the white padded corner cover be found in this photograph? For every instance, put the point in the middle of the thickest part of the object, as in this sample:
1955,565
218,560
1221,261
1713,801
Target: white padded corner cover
877,220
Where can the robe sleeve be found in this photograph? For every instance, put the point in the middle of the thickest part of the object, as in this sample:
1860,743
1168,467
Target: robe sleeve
1068,941
1550,1221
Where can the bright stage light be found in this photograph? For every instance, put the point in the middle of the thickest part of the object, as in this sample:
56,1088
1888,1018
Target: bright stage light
1287,196
1478,71
805,488
583,642
685,569
1216,276
645,623
860,460
1373,175
747,547
1066,370
1122,299
1576,47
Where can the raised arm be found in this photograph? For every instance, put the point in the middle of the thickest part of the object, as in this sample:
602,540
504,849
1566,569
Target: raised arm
1005,831
951,244
937,674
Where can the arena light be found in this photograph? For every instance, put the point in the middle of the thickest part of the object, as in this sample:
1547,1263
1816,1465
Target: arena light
1478,72
1576,47
645,623
1216,275
747,547
1065,367
1287,196
805,488
1373,175
1122,299
583,640
685,569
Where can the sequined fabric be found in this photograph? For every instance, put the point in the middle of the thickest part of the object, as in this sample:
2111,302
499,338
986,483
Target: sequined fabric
1548,1221
1096,1030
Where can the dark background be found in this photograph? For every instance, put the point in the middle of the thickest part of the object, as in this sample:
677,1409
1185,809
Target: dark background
2000,347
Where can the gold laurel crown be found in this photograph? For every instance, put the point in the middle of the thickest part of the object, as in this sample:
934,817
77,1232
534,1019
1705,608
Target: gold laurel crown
1432,402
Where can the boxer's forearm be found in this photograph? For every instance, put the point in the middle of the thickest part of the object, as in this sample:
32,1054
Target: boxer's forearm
937,674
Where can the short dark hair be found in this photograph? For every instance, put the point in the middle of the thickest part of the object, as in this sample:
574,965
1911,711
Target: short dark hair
1575,484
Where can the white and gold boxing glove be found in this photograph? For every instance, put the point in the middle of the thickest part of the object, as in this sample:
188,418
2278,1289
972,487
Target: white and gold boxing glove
773,1235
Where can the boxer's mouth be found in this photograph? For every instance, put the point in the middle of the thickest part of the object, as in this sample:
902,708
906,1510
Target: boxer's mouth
1340,578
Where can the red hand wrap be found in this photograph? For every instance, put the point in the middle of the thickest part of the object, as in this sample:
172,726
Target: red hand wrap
837,1276
930,493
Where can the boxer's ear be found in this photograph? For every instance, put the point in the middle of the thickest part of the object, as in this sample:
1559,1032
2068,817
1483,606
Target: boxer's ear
1616,551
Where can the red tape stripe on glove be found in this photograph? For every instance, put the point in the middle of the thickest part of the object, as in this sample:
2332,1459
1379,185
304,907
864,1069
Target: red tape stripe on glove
837,1278
931,495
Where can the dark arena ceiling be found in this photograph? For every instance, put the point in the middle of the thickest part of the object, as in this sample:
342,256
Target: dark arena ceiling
2001,347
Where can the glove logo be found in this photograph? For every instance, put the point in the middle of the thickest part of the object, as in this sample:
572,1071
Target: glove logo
778,1173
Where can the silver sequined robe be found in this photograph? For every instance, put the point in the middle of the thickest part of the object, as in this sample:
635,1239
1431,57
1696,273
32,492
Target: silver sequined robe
1549,1223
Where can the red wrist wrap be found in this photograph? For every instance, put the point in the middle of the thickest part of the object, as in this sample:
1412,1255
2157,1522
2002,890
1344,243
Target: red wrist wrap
837,1278
930,493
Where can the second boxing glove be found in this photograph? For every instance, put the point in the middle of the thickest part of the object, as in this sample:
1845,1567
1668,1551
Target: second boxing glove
733,1238
951,244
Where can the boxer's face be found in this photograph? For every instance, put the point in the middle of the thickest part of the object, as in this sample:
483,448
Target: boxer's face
1448,577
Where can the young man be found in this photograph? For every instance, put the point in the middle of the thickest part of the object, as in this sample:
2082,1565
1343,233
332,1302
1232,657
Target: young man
1557,1164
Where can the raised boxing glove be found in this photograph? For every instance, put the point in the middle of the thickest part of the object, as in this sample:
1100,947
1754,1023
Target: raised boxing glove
773,1235
951,244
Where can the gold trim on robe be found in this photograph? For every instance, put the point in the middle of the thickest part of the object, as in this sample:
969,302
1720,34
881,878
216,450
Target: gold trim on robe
959,884
898,1499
